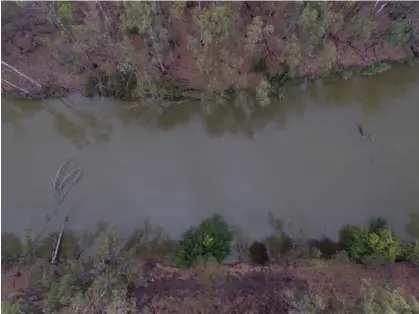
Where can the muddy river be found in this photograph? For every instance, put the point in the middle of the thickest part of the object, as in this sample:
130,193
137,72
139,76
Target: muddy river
302,158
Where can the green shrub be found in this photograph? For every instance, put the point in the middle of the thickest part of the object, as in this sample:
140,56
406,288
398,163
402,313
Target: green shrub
150,243
375,69
346,74
211,238
361,242
374,260
377,224
116,84
410,251
12,306
279,243
398,33
11,249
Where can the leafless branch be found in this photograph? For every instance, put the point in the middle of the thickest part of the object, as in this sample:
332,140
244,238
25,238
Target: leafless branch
54,259
17,87
21,74
57,175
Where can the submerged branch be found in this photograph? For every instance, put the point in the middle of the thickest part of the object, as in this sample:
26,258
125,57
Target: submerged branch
57,175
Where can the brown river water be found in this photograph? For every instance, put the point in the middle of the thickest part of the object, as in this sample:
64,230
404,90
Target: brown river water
302,159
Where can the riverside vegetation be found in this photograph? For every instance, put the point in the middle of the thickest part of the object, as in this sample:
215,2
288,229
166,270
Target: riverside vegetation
113,277
163,52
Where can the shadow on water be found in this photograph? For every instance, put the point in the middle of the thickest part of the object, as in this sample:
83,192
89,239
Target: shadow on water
12,112
73,122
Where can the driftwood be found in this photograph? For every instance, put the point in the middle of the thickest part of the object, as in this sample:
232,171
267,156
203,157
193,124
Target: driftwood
55,252
55,181
59,182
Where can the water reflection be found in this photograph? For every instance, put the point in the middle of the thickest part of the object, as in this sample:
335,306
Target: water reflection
370,92
74,123
83,125
223,118
13,111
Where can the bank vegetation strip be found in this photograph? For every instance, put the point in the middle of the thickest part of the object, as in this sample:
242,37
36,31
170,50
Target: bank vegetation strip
154,51
152,273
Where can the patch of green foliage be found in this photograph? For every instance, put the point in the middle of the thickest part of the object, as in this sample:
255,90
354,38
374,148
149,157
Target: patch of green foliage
326,246
69,247
375,69
150,243
279,243
398,32
410,251
97,284
211,238
374,300
12,306
171,90
116,84
66,11
386,300
11,249
364,243
346,74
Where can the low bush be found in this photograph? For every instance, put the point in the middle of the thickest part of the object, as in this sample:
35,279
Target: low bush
258,253
363,242
95,284
385,300
278,243
375,69
410,251
12,306
373,300
211,238
111,84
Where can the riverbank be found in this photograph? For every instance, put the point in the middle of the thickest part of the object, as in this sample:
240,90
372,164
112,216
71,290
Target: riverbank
164,61
239,289
139,275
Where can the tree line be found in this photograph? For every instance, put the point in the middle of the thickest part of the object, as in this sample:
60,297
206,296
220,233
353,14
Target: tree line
217,47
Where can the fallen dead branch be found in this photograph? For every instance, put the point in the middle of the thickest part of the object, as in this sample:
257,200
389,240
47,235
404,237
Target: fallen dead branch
59,182
55,253
21,74
17,87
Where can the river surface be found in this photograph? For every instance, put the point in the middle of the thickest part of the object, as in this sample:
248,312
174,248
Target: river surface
302,159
